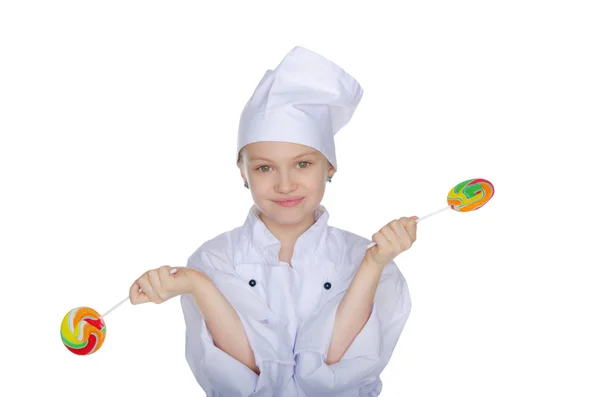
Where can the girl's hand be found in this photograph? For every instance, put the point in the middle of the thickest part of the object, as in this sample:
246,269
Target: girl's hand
159,285
393,239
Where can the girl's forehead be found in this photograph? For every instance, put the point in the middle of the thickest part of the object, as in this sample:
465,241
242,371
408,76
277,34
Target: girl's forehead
277,150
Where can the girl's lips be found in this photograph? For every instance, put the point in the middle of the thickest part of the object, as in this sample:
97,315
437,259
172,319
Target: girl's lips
289,203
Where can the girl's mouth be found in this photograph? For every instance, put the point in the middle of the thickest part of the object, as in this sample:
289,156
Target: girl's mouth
289,203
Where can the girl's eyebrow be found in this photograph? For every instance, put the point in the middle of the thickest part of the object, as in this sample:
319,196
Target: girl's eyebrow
298,156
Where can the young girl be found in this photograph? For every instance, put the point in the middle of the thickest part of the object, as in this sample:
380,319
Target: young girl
287,305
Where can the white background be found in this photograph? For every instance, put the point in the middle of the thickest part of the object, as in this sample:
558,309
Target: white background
118,127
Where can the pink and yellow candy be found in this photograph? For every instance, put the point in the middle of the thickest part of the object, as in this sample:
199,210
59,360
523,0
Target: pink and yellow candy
83,331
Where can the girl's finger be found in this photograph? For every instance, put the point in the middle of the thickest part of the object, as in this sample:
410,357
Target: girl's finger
381,240
155,281
147,289
164,276
382,247
393,236
411,227
400,229
135,296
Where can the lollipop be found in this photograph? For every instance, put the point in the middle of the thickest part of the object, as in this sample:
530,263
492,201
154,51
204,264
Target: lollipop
469,195
83,331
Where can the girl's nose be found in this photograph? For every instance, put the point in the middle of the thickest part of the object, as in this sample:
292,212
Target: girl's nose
285,183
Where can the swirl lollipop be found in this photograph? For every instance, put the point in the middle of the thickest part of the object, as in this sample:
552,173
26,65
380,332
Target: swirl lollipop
83,331
469,195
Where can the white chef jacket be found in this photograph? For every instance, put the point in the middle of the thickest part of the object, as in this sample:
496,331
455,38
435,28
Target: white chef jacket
288,314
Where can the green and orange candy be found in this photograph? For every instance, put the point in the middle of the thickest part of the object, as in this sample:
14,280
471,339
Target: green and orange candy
469,195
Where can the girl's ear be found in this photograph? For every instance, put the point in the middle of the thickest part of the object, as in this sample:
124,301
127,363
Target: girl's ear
240,164
331,171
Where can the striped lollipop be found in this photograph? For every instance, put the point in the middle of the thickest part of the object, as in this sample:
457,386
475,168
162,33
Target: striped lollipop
83,331
469,195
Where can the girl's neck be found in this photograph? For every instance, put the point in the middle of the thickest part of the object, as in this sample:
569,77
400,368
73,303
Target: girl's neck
287,234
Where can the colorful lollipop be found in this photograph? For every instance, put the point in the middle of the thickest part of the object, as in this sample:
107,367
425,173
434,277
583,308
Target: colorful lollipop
83,331
469,195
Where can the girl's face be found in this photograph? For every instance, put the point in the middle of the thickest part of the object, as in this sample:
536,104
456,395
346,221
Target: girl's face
278,171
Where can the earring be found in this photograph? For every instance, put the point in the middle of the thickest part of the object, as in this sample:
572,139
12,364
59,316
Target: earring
329,179
246,185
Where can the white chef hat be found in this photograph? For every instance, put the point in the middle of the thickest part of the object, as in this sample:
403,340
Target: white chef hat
307,99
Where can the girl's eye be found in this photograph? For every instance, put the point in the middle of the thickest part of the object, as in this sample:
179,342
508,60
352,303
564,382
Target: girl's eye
264,168
303,164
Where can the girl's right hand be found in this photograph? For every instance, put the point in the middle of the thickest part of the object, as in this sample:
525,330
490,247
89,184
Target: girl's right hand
159,285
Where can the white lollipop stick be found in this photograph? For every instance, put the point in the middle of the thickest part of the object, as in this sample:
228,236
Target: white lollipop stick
418,220
126,299
114,307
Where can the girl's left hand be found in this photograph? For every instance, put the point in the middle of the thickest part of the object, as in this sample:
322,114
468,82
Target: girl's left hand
393,239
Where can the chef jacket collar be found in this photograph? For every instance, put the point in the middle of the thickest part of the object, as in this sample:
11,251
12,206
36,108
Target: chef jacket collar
306,245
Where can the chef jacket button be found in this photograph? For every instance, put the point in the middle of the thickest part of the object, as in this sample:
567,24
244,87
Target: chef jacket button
327,285
252,283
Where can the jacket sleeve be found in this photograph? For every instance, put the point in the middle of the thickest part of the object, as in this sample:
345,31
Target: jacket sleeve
218,373
370,351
